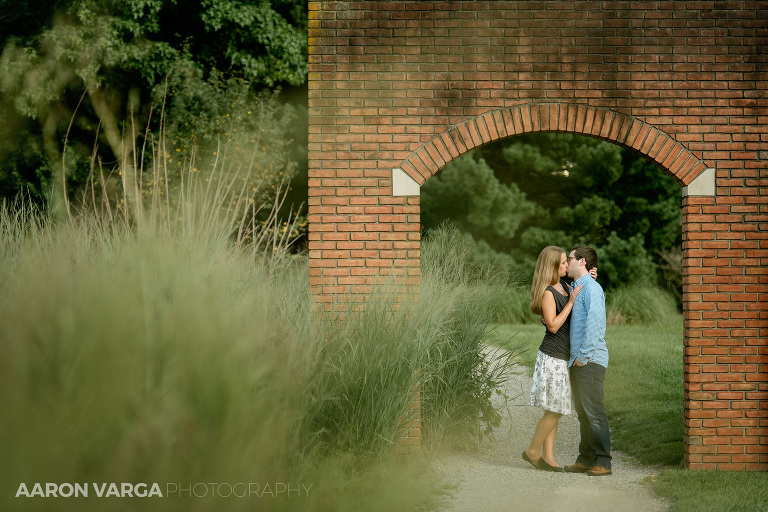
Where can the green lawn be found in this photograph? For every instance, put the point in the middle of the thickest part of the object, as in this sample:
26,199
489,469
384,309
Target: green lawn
644,389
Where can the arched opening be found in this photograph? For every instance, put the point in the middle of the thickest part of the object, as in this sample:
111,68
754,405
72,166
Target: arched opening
625,131
507,200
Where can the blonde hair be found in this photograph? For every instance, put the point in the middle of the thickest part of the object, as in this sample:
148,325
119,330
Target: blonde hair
546,274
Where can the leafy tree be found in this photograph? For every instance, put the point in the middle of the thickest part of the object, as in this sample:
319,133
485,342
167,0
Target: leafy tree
562,190
92,71
625,261
468,193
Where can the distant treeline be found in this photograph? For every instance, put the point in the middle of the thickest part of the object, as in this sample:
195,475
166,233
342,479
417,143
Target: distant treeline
518,195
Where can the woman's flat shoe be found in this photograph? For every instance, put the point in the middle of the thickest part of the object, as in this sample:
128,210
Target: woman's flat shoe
528,459
542,464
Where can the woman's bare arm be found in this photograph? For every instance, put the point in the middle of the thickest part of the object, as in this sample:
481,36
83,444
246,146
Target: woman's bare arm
552,320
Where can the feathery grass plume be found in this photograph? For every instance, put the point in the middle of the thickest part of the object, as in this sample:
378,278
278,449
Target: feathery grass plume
135,357
139,354
173,339
460,375
237,191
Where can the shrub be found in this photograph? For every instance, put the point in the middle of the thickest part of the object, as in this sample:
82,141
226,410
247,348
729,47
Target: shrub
639,305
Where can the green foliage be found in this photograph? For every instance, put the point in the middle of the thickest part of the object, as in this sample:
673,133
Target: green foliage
467,192
588,220
625,262
86,72
518,195
595,164
247,39
241,27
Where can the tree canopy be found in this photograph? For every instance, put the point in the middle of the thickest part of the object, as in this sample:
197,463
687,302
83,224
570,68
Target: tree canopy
518,195
80,69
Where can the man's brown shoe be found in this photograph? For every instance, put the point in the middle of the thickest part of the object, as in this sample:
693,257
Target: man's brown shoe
577,468
599,471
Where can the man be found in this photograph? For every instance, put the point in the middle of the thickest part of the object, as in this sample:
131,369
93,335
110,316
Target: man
588,362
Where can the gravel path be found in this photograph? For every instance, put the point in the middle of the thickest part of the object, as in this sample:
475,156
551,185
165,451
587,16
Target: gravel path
496,478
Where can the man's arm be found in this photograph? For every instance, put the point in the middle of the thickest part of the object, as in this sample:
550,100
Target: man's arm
595,307
577,332
586,348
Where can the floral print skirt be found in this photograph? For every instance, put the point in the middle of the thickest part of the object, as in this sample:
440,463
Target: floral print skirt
551,386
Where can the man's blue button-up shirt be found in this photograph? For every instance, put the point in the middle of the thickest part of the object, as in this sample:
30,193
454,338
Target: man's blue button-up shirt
588,324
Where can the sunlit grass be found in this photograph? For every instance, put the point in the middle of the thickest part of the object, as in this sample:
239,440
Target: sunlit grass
713,491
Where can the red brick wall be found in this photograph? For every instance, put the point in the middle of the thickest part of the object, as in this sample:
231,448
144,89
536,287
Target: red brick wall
413,84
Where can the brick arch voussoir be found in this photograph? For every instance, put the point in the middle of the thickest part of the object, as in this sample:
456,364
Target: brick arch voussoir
601,123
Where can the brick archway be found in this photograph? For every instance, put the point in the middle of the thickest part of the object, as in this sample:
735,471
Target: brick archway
398,88
601,123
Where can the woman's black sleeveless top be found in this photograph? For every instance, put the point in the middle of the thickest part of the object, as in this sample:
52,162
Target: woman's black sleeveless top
558,344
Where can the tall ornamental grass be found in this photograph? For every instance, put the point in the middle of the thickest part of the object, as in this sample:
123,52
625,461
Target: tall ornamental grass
640,306
135,356
142,355
370,364
173,341
393,345
461,371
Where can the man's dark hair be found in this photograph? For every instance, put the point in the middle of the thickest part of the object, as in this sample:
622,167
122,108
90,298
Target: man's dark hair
588,253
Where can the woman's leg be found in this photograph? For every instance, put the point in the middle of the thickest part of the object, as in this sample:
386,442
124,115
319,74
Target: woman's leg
548,450
546,427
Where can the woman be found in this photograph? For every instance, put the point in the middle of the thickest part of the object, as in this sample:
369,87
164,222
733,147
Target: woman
551,387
